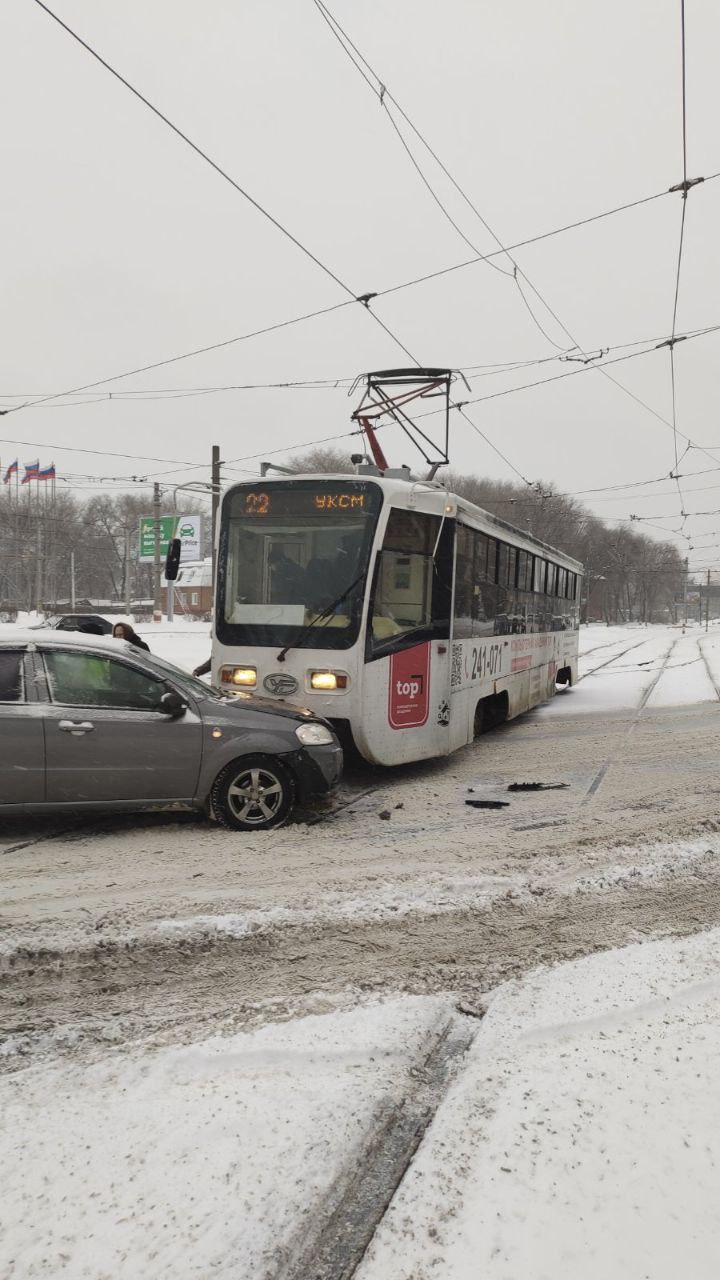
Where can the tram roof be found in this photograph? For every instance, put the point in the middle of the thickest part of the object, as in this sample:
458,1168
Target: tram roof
432,497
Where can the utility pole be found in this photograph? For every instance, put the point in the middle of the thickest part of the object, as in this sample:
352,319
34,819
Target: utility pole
215,482
72,581
707,602
685,600
157,599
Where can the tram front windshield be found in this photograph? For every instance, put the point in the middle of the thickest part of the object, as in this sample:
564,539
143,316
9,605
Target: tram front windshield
290,551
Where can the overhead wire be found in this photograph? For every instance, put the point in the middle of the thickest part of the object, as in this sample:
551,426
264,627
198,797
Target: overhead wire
587,368
284,230
680,253
385,94
100,453
471,373
184,137
338,306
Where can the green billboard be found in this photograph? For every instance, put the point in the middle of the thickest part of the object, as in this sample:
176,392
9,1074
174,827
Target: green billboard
187,528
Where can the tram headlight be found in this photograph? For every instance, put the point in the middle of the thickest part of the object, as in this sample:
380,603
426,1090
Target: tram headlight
314,735
245,677
328,680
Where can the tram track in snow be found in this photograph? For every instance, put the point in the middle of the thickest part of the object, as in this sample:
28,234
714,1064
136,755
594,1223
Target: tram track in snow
609,661
709,669
644,699
609,644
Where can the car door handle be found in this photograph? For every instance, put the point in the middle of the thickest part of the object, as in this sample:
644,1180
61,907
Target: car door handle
78,727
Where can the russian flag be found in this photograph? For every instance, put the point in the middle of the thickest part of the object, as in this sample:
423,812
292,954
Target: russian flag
31,471
11,471
47,473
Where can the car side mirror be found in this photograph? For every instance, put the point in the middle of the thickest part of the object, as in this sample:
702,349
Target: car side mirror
171,704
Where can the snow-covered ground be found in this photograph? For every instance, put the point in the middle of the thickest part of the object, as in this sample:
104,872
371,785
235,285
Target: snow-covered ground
205,1160
183,642
582,1140
622,668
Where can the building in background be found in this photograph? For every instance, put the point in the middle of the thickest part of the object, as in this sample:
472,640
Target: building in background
193,590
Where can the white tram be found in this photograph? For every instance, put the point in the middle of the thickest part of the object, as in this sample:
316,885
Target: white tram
408,617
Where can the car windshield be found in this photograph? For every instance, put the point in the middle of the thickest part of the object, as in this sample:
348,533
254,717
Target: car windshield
288,550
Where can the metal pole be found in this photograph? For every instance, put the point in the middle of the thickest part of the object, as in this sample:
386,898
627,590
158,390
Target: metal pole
170,592
157,598
707,602
127,570
685,602
72,581
215,482
38,567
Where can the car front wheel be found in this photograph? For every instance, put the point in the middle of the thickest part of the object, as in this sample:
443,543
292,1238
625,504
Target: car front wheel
253,793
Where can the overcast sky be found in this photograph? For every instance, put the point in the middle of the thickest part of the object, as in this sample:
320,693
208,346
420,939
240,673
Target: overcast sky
121,247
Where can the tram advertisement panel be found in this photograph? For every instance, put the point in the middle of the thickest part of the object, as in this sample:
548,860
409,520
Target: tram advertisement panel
409,687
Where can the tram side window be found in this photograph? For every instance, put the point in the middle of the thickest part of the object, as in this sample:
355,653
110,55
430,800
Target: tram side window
464,582
492,553
411,595
485,590
524,572
474,613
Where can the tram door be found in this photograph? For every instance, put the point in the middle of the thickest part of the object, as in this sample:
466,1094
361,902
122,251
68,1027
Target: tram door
406,679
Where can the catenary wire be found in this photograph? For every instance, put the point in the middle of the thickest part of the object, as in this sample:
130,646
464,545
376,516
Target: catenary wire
586,368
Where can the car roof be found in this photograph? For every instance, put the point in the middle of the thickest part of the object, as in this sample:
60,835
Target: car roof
88,613
22,637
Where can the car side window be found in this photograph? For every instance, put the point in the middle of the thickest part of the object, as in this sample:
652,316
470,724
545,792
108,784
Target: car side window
91,680
11,676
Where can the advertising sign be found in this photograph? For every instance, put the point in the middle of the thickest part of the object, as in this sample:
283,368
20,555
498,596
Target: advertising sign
409,693
187,528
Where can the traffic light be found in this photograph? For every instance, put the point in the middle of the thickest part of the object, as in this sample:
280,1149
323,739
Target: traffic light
172,560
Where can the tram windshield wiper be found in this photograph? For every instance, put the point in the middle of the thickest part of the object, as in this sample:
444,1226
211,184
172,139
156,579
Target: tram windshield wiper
327,612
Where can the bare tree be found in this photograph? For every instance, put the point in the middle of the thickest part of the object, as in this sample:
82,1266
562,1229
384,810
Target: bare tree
321,461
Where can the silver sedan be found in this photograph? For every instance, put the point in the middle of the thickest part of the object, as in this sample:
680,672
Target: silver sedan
93,723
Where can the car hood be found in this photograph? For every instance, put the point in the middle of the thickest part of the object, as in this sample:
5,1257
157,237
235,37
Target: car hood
244,702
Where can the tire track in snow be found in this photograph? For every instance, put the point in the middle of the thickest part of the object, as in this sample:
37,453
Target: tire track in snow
346,1224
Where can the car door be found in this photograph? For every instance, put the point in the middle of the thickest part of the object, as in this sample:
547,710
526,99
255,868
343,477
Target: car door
22,748
106,739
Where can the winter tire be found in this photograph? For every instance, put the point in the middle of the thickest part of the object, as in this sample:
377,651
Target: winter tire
254,793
